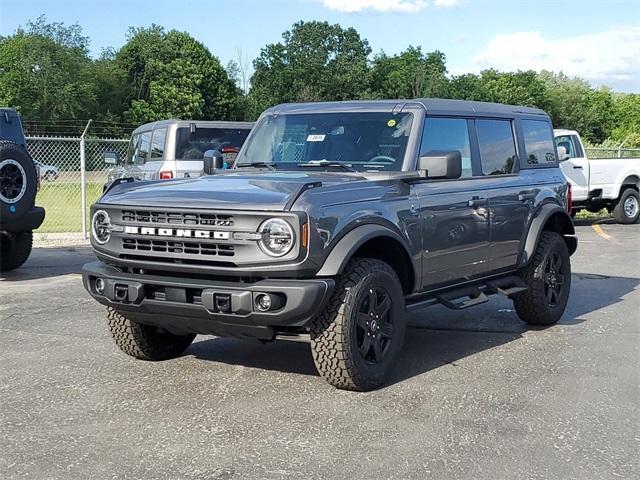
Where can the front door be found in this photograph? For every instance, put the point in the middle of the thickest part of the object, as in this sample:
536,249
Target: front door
576,167
454,218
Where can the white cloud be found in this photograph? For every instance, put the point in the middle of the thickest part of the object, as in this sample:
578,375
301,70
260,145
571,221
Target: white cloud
446,3
611,56
401,6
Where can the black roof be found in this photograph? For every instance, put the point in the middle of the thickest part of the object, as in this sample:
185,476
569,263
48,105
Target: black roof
436,106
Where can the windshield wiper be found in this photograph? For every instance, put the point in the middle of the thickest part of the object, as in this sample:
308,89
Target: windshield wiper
270,166
327,163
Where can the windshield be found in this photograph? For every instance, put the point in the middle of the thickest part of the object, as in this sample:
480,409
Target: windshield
360,140
191,146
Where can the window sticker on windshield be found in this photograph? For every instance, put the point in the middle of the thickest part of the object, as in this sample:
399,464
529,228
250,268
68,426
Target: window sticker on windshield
391,123
316,138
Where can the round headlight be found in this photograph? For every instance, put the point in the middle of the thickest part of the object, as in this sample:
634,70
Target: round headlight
277,237
101,227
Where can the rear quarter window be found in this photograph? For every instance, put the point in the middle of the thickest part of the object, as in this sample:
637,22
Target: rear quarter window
538,142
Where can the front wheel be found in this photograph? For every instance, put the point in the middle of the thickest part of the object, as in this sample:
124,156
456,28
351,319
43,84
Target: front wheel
145,342
627,210
548,277
356,341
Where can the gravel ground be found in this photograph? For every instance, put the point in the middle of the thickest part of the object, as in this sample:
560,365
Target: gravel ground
49,240
477,395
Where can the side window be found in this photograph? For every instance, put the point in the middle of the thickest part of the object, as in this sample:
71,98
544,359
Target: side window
497,147
568,142
142,152
157,142
578,146
131,150
448,134
538,142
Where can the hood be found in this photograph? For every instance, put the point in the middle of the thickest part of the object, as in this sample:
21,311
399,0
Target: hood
235,191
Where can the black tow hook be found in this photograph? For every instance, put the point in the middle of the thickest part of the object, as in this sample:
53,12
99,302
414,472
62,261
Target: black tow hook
120,292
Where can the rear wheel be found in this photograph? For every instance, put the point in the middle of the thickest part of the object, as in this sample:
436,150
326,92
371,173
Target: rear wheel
356,341
627,210
145,342
15,249
548,277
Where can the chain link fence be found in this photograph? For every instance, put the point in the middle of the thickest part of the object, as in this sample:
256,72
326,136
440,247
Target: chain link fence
613,152
62,176
66,188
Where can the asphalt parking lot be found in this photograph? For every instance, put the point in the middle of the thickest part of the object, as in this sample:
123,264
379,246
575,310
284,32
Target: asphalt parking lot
476,395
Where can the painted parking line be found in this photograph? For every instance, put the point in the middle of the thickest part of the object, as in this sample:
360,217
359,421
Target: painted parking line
598,229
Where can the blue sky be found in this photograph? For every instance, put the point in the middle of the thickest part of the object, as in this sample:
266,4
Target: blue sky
597,40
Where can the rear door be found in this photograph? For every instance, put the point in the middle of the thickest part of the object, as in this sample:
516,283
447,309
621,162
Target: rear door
454,217
131,165
510,196
155,161
576,167
140,156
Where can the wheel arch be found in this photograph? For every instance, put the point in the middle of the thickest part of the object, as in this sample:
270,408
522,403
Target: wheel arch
630,181
372,241
550,217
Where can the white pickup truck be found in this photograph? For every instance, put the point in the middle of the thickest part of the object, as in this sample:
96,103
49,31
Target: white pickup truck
597,183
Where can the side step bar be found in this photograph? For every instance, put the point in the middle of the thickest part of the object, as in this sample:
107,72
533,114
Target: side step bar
469,296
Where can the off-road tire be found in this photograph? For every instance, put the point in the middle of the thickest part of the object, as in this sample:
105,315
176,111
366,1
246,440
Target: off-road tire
145,342
15,249
334,334
619,213
25,174
532,305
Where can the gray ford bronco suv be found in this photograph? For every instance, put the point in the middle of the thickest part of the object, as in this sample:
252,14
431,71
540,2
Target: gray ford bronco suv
337,219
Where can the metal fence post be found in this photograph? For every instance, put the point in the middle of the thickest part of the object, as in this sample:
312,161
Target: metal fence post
83,180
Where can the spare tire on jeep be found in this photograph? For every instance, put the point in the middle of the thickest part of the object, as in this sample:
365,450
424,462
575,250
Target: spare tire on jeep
18,180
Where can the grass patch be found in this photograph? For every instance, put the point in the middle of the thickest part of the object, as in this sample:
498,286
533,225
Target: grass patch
586,215
63,205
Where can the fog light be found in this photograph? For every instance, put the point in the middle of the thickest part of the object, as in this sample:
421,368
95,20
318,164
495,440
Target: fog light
99,286
263,302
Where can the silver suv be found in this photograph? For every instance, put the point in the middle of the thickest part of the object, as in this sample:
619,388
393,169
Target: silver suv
175,148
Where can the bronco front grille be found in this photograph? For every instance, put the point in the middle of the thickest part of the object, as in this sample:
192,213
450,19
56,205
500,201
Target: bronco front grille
177,218
171,246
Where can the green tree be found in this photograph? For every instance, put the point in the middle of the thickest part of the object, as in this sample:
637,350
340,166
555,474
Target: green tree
574,104
514,88
111,88
410,74
45,71
315,61
173,75
626,119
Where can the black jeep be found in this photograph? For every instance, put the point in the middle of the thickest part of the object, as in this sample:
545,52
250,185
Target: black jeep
19,181
336,219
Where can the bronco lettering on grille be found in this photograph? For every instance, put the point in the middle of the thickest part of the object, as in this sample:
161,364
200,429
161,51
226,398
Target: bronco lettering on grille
177,232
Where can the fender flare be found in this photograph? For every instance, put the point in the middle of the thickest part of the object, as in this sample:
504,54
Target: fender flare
537,226
344,249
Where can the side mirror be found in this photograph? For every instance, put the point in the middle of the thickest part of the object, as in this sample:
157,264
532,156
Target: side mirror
440,164
562,154
111,158
212,161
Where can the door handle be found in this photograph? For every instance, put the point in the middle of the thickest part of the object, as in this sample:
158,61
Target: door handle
476,202
577,167
524,197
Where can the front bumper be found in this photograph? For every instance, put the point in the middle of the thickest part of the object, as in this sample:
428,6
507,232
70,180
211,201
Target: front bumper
184,305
